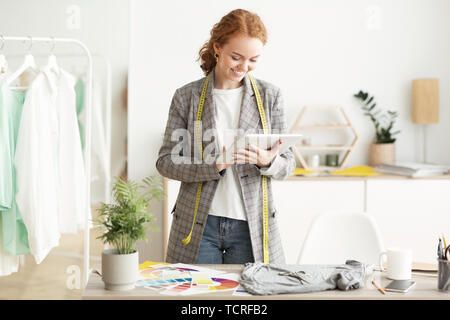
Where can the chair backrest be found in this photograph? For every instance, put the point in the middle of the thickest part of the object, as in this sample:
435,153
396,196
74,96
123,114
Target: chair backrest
334,238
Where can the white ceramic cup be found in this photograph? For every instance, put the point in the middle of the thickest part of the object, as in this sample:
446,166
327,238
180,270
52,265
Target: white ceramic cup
399,263
313,160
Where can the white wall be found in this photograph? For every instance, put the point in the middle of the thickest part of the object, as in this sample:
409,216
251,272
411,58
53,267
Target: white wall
318,52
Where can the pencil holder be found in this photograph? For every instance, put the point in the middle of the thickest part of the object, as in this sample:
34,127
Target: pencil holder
444,275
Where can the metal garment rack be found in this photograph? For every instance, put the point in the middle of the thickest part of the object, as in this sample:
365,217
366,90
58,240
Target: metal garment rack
108,108
87,159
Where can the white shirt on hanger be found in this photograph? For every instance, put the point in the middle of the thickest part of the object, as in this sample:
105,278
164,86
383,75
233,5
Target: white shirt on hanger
51,178
99,155
72,177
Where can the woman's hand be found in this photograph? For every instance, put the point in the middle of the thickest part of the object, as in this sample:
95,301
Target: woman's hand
257,156
223,165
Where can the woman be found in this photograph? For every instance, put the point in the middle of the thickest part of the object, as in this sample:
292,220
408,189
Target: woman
220,215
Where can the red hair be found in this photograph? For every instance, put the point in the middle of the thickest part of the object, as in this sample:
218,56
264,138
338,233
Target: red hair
238,21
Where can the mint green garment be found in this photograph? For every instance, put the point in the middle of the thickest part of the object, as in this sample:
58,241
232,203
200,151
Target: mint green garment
14,232
6,192
80,94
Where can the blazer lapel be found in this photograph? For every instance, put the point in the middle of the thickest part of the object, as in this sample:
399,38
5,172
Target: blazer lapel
249,116
208,112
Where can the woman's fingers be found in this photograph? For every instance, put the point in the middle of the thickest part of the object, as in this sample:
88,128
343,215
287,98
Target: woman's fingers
256,155
246,152
245,156
275,149
255,149
223,162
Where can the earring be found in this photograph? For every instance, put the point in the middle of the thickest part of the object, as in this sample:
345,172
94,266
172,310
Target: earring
217,57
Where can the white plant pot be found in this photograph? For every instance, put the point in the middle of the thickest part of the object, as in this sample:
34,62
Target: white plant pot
119,271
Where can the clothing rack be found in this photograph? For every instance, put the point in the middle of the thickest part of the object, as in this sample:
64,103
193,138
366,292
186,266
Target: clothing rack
87,159
108,109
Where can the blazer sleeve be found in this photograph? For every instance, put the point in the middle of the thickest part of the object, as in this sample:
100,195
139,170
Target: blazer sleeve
283,164
171,162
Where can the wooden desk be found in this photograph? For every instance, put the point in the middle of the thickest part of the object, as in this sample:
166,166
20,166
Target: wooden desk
425,289
381,176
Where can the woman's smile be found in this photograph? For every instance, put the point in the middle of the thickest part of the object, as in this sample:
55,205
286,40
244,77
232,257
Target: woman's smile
237,73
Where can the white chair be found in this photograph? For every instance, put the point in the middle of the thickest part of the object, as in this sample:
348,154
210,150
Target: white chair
334,238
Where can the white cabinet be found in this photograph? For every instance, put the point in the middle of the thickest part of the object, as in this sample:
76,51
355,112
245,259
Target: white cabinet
299,201
410,213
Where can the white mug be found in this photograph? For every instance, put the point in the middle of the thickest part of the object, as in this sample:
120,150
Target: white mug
399,263
313,161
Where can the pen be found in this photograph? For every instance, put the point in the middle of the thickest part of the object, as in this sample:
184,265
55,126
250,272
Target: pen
378,287
439,250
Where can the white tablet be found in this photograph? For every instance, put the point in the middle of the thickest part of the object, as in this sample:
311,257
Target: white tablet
263,141
267,141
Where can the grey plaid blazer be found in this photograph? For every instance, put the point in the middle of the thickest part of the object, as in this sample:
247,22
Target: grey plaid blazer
182,114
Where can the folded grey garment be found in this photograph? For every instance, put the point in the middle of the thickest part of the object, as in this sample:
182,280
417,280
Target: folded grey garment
266,279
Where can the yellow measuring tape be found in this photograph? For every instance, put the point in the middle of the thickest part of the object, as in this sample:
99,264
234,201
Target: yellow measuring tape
262,115
197,135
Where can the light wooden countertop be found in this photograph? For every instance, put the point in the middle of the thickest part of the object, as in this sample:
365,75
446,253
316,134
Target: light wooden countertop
425,289
377,177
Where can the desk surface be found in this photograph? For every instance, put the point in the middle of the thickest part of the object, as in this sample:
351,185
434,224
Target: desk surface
425,289
331,177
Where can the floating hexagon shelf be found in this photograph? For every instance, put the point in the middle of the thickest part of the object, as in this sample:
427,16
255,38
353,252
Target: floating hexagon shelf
347,125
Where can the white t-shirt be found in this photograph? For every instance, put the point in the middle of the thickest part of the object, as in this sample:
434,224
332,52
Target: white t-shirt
228,200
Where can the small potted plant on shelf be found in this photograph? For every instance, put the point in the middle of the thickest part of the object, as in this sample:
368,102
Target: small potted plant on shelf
123,223
383,149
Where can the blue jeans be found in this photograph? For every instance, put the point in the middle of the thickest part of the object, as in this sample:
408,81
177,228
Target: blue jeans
225,241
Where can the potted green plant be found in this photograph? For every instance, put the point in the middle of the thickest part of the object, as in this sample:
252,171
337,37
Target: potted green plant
382,150
123,223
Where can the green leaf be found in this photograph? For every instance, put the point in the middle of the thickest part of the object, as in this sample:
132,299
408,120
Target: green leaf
383,122
124,222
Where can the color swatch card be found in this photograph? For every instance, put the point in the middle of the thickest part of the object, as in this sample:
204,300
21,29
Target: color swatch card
163,283
225,282
161,276
189,267
179,289
148,264
184,279
201,279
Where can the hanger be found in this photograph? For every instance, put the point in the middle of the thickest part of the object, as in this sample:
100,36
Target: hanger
52,64
28,63
3,62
